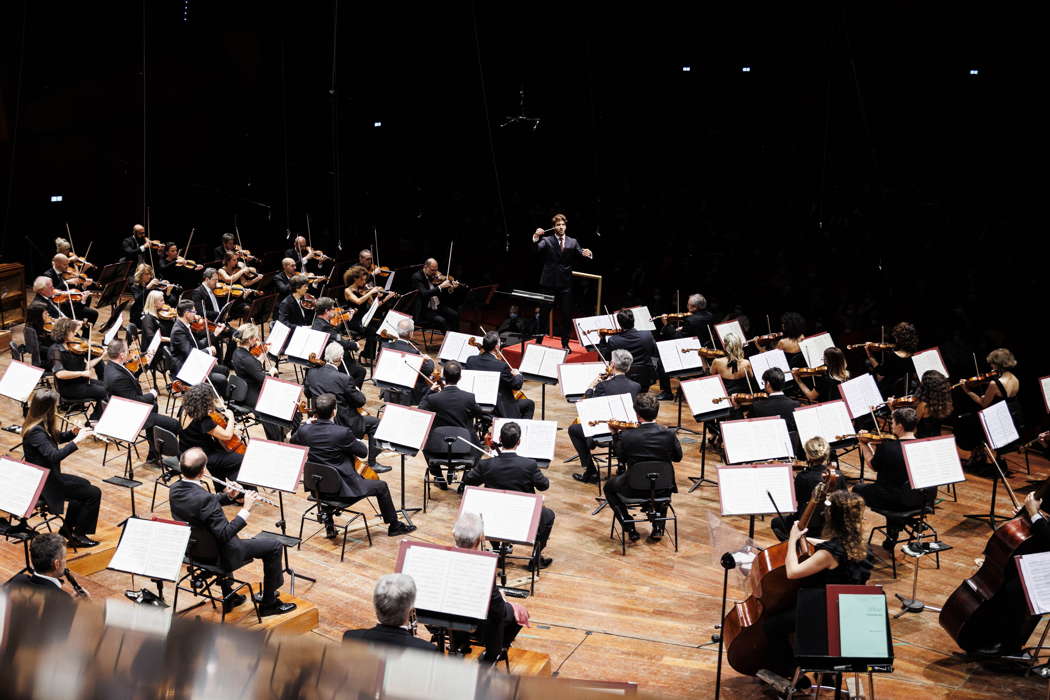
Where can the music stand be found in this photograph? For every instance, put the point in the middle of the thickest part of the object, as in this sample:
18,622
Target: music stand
21,484
404,430
261,309
542,379
1000,435
703,419
756,489
120,424
18,382
575,377
154,549
113,271
111,292
509,518
530,427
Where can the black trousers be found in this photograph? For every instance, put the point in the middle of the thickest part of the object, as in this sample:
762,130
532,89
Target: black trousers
366,426
377,489
583,445
273,568
616,487
224,465
90,390
82,504
526,408
563,303
159,420
444,317
498,634
543,530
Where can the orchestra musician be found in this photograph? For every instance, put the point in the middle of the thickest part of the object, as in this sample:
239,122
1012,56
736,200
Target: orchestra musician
121,381
394,599
283,279
455,413
408,397
74,309
734,368
508,471
228,245
184,340
793,328
775,402
306,258
336,446
290,312
933,403
150,322
558,253
143,282
203,296
649,442
695,325
324,311
200,429
73,370
47,552
818,454
969,436
826,385
431,306
40,445
613,381
896,365
135,246
360,294
250,368
510,379
43,289
235,271
639,343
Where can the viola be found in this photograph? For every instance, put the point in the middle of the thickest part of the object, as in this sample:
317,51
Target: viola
235,290
872,345
810,371
81,347
868,437
707,353
166,312
741,399
134,362
978,380
763,339
73,295
234,442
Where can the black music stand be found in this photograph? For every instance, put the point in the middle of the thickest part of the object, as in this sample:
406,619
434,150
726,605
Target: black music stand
404,451
114,271
261,309
991,516
111,292
703,418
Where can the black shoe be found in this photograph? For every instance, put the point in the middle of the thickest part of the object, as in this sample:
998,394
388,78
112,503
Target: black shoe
81,541
544,563
233,601
440,482
665,396
275,608
587,477
656,534
461,489
379,468
399,528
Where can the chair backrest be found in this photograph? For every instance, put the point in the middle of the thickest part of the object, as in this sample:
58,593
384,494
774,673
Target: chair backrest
165,360
203,547
640,476
133,334
32,345
236,389
165,442
322,480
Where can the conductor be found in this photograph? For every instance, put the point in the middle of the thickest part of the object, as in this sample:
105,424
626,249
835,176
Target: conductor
558,253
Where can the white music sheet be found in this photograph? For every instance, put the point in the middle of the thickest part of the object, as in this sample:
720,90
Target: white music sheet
123,419
114,329
154,345
576,377
19,380
483,384
771,358
278,398
745,490
151,548
1044,388
643,320
370,314
587,324
756,439
813,348
196,368
273,465
674,359
389,281
602,409
700,394
278,338
305,341
998,425
396,367
722,330
925,360
1034,570
827,420
932,462
421,675
505,515
861,394
148,619
450,581
538,437
542,361
390,322
456,346
404,425
20,486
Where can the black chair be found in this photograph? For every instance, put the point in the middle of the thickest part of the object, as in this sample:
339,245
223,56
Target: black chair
167,446
165,364
30,346
911,523
204,569
236,397
453,459
603,452
324,484
658,479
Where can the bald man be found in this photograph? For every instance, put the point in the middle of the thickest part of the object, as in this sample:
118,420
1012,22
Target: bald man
78,310
283,279
432,301
135,246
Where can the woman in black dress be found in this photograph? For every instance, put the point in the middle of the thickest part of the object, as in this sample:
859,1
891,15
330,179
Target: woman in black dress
933,403
826,385
733,368
793,326
73,371
969,435
199,429
891,371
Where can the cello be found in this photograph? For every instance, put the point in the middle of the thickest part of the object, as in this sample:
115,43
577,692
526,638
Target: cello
772,591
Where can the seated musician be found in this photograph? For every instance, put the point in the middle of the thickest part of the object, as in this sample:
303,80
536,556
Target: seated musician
514,328
168,263
933,403
324,312
793,328
394,598
826,385
135,246
510,380
817,454
150,323
235,271
456,410
184,340
330,378
775,403
616,382
641,346
282,280
508,471
504,619
891,489
250,368
734,368
894,365
73,370
228,245
200,408
143,282
47,552
40,440
649,442
192,503
122,382
334,445
74,309
290,312
408,397
42,304
359,295
695,325
969,435
306,258
432,308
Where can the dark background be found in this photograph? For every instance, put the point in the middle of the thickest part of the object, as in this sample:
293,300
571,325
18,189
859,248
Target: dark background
858,173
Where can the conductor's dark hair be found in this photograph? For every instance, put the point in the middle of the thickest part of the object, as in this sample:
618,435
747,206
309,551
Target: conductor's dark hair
44,550
451,372
625,317
184,306
509,435
559,217
324,304
192,462
906,418
647,406
774,377
324,406
793,324
490,341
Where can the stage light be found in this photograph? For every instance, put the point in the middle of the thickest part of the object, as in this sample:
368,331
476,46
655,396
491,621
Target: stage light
377,124
974,71
745,69
56,198
686,69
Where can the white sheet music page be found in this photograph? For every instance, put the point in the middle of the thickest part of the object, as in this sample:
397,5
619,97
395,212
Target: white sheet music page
154,344
602,409
456,346
925,360
390,322
700,394
576,377
998,425
586,325
542,361
421,675
278,398
932,462
114,329
273,465
20,486
538,437
813,348
643,320
756,439
827,420
306,341
152,548
1034,570
1044,388
404,425
278,338
396,367
506,515
19,380
449,581
724,329
123,419
674,359
768,359
483,384
745,489
370,314
861,394
196,367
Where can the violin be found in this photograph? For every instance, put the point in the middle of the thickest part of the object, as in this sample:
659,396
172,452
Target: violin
165,287
155,245
80,263
665,317
341,315
315,360
614,425
741,399
134,362
973,382
379,270
258,349
201,323
902,402
868,437
309,301
316,255
70,274
809,371
166,312
247,254
73,295
872,345
607,331
706,353
763,339
234,442
314,279
179,387
436,379
235,290
81,347
385,335
189,264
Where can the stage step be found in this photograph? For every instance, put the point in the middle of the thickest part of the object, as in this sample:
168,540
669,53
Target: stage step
94,559
300,621
522,661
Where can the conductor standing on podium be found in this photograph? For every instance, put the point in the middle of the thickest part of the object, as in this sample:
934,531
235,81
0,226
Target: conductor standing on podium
559,252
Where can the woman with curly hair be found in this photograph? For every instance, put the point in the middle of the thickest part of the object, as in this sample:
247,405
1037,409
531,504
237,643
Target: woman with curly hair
793,326
968,433
891,371
933,403
198,429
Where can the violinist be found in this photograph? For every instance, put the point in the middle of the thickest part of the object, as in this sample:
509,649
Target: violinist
734,369
324,313
306,258
510,380
455,414
42,305
432,306
199,428
63,246
403,343
933,403
135,246
775,403
559,252
72,369
969,435
291,311
228,245
235,271
283,279
144,282
793,328
826,384
151,323
211,308
695,324
249,367
359,294
74,309
40,440
897,365
184,340
641,346
121,381
613,381
818,453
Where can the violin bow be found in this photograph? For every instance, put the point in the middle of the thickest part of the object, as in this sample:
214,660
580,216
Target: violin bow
193,230
448,270
432,382
69,235
149,246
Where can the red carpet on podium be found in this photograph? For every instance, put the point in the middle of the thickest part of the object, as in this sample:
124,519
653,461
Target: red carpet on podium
577,353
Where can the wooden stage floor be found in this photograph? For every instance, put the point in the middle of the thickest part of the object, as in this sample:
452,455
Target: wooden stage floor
647,617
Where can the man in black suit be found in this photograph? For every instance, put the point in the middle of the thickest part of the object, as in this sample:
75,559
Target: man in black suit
77,310
47,553
210,306
406,396
283,279
617,383
431,306
509,472
394,598
695,325
334,445
228,245
192,503
121,382
510,379
249,368
135,246
558,253
290,312
323,313
648,442
639,343
456,410
184,341
775,403
303,255
41,304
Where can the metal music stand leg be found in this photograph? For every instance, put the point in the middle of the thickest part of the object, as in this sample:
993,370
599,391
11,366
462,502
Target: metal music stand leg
286,541
699,481
543,396
991,516
403,510
913,604
679,428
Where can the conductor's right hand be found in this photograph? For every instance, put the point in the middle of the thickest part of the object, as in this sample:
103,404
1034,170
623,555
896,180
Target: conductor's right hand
537,234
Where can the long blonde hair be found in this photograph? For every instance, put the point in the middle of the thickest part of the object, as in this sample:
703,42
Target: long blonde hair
42,411
734,347
141,270
154,300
